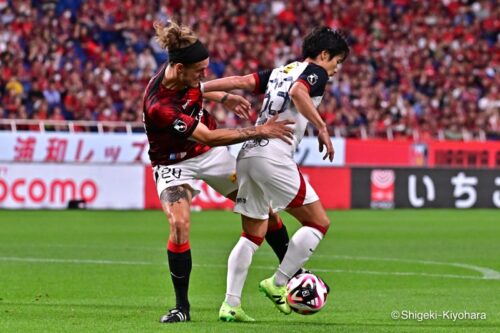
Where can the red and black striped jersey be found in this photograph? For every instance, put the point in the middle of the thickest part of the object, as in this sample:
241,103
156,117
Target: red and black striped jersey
170,117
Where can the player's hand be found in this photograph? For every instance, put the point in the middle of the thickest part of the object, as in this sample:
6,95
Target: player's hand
277,129
238,105
325,141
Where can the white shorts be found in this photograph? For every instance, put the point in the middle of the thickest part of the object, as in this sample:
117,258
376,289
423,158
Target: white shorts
264,183
217,167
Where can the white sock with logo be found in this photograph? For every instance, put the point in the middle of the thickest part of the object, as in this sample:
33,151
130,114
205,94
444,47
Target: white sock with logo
301,247
237,269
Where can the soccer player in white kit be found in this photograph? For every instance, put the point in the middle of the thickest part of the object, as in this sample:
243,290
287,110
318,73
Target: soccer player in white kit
267,173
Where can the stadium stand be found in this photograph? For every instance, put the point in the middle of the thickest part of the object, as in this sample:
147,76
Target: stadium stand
418,69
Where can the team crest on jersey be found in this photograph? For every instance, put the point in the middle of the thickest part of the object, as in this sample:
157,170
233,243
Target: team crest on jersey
180,126
312,79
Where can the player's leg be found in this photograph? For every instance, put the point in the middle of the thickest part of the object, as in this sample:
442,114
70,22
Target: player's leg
253,205
219,171
315,224
291,191
300,248
277,235
175,187
176,203
239,261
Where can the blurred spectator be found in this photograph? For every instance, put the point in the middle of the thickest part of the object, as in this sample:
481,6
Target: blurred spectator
52,95
418,69
15,85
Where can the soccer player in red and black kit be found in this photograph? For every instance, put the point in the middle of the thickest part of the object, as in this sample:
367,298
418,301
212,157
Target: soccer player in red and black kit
181,135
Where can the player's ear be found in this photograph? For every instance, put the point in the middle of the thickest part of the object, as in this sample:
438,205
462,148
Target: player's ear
179,68
325,55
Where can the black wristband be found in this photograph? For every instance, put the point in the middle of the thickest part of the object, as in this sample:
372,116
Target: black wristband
224,98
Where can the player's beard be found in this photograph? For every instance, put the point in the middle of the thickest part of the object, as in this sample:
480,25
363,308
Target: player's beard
194,84
190,81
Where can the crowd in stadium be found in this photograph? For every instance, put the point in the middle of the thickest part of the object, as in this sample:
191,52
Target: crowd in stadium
417,69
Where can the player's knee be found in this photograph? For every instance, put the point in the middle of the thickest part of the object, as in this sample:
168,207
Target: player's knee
324,221
179,223
319,219
256,239
320,223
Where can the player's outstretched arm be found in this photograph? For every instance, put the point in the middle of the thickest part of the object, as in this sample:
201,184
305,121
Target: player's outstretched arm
229,83
234,103
228,136
302,101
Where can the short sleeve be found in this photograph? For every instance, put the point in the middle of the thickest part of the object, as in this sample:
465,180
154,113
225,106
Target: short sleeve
174,121
261,79
315,78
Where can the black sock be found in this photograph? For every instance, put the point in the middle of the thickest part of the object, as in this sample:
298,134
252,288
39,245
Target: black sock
278,240
180,268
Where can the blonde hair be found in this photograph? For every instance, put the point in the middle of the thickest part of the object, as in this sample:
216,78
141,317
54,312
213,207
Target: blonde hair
174,36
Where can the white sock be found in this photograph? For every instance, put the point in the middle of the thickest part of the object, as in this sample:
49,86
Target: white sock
301,247
237,269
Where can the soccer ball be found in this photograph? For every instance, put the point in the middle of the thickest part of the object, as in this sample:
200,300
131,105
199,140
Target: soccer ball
306,293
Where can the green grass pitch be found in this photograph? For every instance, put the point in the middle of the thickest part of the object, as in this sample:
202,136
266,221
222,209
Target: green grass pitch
106,271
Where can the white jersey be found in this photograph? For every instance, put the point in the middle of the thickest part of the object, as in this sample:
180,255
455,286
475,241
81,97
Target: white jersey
277,84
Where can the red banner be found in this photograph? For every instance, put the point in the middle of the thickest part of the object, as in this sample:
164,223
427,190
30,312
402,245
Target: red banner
379,152
471,154
333,186
464,154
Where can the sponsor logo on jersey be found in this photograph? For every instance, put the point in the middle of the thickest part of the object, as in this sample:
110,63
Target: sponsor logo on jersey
255,143
312,79
290,66
180,126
